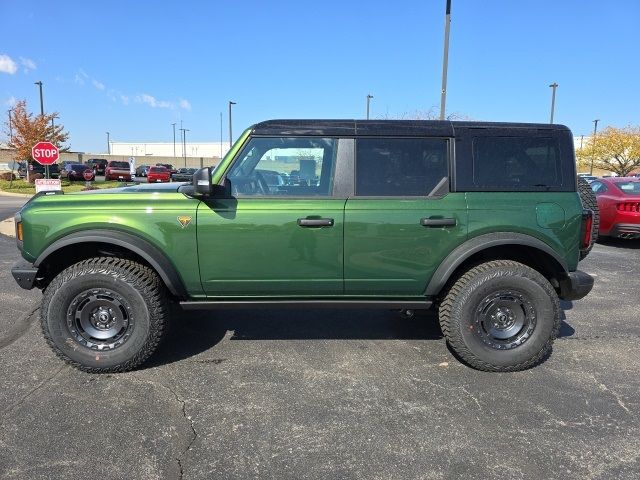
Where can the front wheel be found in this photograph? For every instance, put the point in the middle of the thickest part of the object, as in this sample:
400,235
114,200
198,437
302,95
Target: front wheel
105,314
501,316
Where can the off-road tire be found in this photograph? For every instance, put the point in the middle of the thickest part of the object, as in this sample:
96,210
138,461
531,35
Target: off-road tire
460,309
589,202
136,292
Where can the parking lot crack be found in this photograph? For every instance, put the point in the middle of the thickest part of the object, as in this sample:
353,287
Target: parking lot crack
618,398
183,409
34,390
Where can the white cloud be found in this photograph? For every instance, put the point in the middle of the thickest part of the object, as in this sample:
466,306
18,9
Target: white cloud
28,64
153,102
124,99
11,101
80,77
184,104
7,65
97,84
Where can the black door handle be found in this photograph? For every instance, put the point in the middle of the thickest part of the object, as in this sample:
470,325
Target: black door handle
315,222
438,222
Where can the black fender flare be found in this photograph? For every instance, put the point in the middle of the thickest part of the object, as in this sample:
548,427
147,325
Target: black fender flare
482,242
149,252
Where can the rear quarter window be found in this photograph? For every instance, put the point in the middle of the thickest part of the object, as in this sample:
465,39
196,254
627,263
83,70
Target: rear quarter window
542,161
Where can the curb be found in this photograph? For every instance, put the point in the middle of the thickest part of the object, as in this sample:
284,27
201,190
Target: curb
8,228
10,194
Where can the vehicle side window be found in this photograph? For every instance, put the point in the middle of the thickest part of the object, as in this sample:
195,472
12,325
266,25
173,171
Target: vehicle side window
516,163
284,166
598,187
400,166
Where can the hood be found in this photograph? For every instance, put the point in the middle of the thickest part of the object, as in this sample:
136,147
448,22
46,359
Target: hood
140,187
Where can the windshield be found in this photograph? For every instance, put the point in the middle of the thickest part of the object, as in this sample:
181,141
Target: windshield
124,165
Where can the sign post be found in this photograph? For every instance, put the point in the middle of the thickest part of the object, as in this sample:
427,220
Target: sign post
45,153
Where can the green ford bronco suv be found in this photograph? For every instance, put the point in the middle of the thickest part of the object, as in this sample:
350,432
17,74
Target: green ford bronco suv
481,220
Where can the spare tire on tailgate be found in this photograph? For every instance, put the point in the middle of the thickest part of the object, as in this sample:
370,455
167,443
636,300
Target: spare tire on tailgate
589,202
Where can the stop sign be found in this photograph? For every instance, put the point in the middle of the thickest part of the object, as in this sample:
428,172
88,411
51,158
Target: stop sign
45,153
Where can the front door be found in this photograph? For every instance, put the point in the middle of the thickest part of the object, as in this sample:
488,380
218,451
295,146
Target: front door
281,232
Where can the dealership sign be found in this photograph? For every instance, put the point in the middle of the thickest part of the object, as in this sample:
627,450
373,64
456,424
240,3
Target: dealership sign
47,185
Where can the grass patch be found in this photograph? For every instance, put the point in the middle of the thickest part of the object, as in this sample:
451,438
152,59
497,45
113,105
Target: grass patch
20,186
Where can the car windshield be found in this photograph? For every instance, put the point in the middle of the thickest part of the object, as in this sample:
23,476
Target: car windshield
158,169
120,165
78,166
630,187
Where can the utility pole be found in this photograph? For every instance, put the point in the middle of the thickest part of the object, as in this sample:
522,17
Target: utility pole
174,140
554,85
369,97
230,125
108,144
593,143
445,60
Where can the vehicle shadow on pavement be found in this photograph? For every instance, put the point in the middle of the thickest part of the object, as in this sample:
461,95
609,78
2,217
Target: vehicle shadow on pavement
619,243
195,332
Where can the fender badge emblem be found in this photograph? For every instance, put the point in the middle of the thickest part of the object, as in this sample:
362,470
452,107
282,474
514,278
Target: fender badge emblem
184,220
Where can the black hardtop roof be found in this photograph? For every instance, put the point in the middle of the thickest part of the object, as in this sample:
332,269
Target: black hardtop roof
408,128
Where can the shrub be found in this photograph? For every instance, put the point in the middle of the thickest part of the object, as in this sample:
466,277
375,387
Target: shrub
34,176
8,176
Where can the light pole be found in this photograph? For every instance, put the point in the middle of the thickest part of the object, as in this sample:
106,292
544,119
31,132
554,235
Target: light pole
221,136
554,85
445,59
108,144
183,132
230,125
174,139
593,143
10,126
39,83
369,97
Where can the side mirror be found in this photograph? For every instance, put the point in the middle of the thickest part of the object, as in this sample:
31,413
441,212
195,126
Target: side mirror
202,182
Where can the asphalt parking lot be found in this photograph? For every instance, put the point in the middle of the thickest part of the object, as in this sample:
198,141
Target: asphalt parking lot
329,394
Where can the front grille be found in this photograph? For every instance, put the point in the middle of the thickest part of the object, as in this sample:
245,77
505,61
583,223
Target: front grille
628,207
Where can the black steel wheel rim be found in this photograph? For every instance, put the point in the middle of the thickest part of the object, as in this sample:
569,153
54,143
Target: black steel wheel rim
100,319
505,319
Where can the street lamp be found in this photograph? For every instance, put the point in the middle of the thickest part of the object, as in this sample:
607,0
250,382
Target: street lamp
554,85
108,144
369,97
230,126
174,139
593,143
445,59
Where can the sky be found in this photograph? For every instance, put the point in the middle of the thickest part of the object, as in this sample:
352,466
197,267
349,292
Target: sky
134,68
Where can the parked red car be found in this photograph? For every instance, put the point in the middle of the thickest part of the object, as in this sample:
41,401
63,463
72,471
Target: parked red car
619,204
158,174
117,171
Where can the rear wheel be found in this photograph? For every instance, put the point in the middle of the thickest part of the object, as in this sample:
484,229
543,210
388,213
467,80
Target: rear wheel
589,202
501,316
104,314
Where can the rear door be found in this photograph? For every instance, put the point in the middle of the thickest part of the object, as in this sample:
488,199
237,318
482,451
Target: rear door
403,220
